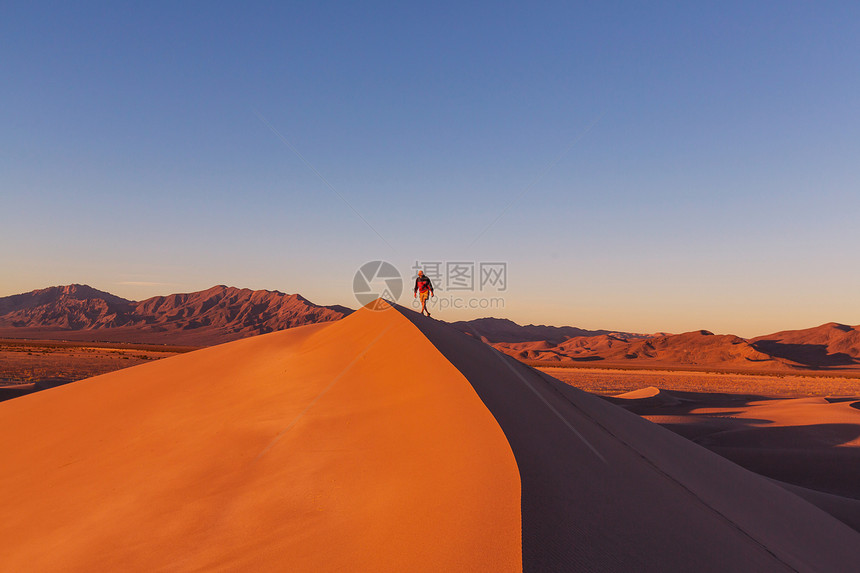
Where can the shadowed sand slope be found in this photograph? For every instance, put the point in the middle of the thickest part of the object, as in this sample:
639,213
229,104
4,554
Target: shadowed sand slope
603,489
810,442
336,446
384,442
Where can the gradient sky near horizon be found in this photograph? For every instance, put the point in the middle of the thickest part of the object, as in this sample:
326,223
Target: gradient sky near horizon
639,166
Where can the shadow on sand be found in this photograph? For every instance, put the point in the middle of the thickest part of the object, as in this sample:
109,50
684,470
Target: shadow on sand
822,456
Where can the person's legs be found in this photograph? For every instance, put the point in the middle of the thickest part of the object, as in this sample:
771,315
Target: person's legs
424,296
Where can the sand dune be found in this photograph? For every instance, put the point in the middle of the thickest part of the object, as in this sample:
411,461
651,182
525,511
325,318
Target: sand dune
322,447
385,441
809,442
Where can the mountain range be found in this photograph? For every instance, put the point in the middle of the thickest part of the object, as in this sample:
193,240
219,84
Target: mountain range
221,314
829,347
212,316
502,330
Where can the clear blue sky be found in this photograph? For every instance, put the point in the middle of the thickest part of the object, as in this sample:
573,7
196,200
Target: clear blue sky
668,166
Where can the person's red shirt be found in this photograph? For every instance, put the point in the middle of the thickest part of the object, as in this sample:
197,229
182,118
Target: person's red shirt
423,284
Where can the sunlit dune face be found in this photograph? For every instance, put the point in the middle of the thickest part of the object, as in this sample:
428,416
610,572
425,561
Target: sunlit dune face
320,447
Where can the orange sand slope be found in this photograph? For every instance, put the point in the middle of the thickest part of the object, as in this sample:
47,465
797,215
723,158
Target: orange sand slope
321,447
385,441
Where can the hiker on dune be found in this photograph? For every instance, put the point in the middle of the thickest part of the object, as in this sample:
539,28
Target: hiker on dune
424,287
